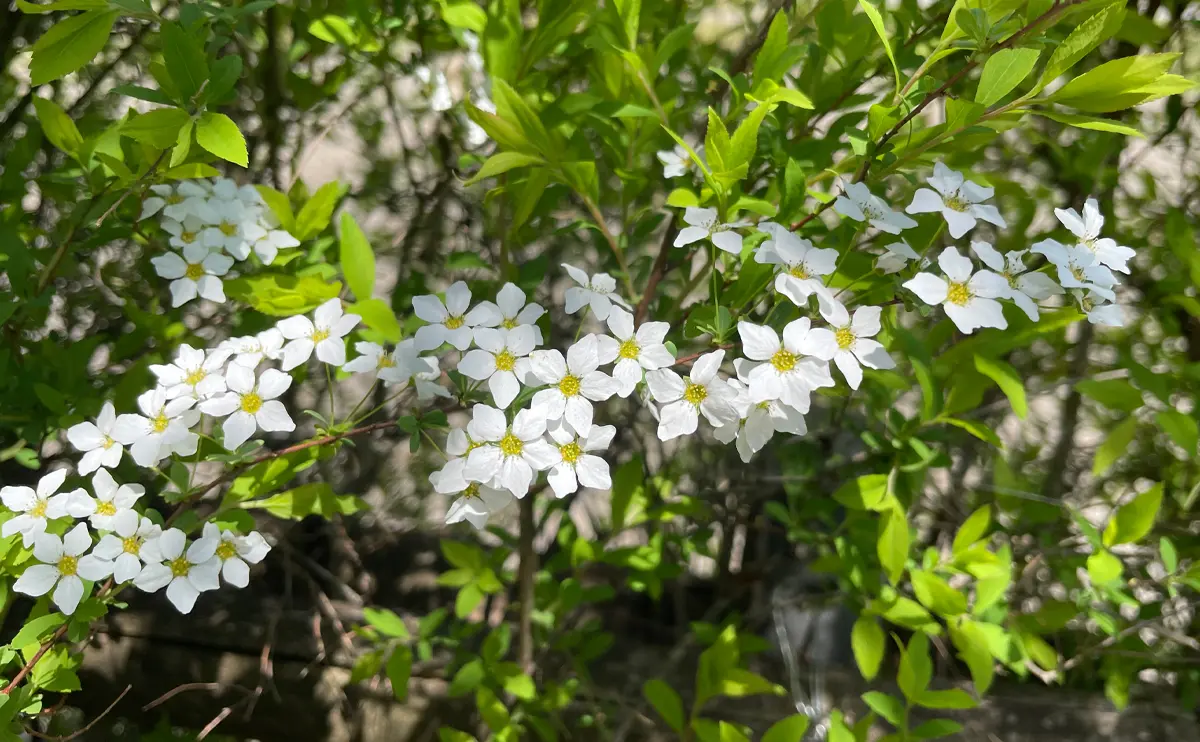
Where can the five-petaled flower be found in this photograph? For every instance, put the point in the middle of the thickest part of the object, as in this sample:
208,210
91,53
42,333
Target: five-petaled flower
859,204
1086,228
596,292
575,462
574,383
633,351
198,272
34,508
194,373
236,553
1078,268
250,405
500,360
959,200
163,428
508,312
855,348
186,570
112,505
63,568
787,369
969,299
800,264
703,223
325,333
476,502
518,451
96,441
1025,289
123,547
684,400
757,422
449,322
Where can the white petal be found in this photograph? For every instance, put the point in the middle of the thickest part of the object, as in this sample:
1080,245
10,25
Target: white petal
955,266
487,423
593,472
706,366
153,578
478,364
665,385
959,222
68,594
758,341
929,288
182,594
504,387
36,580
676,419
925,201
238,428
274,417
562,480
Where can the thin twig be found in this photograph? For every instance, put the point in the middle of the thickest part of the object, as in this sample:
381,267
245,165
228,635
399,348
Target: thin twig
656,273
183,689
90,724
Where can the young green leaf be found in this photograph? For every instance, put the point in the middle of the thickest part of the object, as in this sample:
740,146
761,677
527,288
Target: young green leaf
315,214
1008,380
398,670
893,543
158,128
502,162
1114,84
890,708
1116,444
880,29
666,702
57,125
1004,71
1081,41
787,729
1181,428
1135,518
868,642
972,529
937,595
183,143
185,60
357,257
70,44
217,133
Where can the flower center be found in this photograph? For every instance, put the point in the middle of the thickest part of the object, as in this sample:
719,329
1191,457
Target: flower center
629,349
505,360
195,377
453,323
174,198
194,271
570,452
764,405
798,271
226,550
472,490
108,442
385,361
510,445
472,445
695,393
1012,279
509,323
67,565
783,360
569,386
844,337
872,211
251,402
187,236
319,334
160,422
131,545
106,508
180,566
1078,273
955,202
958,293
39,510
1087,304
228,229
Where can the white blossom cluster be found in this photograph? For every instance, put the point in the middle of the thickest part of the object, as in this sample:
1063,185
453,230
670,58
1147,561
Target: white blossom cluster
212,223
436,90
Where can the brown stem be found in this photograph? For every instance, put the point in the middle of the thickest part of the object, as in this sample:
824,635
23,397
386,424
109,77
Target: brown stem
526,572
1052,487
656,273
90,724
813,215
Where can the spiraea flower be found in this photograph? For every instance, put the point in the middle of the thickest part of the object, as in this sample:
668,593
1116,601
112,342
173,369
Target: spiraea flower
968,298
684,400
268,246
500,360
448,323
575,460
236,553
197,273
235,226
185,570
859,204
476,502
800,265
96,441
757,422
325,333
420,371
518,450
1086,228
63,568
896,257
597,292
194,373
123,547
1025,289
373,359
450,478
959,200
1098,309
574,383
633,351
787,369
112,505
855,348
1078,268
33,508
163,428
249,351
677,162
703,224
508,312
250,404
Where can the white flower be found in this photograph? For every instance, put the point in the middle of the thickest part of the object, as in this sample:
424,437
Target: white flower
675,162
596,292
957,199
860,204
683,401
500,360
448,323
63,568
96,441
249,351
969,300
575,464
450,478
112,505
420,371
509,312
1025,289
123,547
703,224
375,360
325,332
853,338
633,351
198,272
236,553
1086,229
189,200
519,449
194,373
250,405
184,574
789,369
574,383
163,428
268,246
436,88
1098,309
163,195
1078,268
758,422
896,257
476,502
800,264
34,508
235,226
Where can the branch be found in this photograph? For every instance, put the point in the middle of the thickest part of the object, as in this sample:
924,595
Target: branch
84,730
526,572
657,272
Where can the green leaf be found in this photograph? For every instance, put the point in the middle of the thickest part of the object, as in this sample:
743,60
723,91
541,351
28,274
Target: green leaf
398,670
35,628
975,428
217,133
745,139
935,728
280,295
502,162
915,669
937,595
989,590
57,125
893,543
1114,84
464,14
226,72
972,645
314,215
1008,380
868,642
1004,71
1093,124
1103,567
792,97
972,529
1116,444
158,128
717,145
888,707
1168,554
281,207
70,44
1181,427
386,622
357,258
186,63
788,729
314,498
773,58
946,699
36,8
1082,40
1134,519
377,315
877,21
666,702
863,493
467,679
511,106
1115,394
521,686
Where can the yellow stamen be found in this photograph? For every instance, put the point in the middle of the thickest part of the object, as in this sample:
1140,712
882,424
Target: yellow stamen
160,422
188,237
174,198
958,293
783,361
629,349
570,452
131,545
226,550
39,510
67,565
251,402
453,323
385,361
180,566
472,490
505,360
319,334
195,377
228,229
954,202
695,393
510,445
106,508
108,442
844,337
798,272
569,386
508,324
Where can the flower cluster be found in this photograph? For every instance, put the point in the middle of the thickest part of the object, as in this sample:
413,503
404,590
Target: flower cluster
211,224
435,88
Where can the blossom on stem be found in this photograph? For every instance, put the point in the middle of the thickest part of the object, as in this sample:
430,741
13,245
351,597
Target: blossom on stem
197,273
896,257
194,372
508,312
1025,289
163,428
448,323
959,200
63,568
374,359
859,204
1086,228
112,505
574,383
518,451
185,570
236,553
757,422
789,368
855,348
1078,268
124,547
704,392
450,478
677,161
249,351
633,350
325,333
575,463
476,503
969,299
1099,309
596,292
500,360
800,264
96,441
702,223
250,405
34,508
420,371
